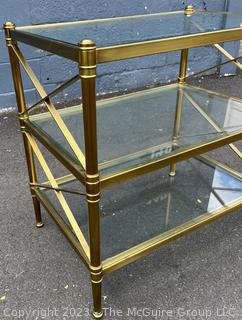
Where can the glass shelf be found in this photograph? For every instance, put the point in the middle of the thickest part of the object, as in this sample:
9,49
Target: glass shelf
124,30
138,128
153,204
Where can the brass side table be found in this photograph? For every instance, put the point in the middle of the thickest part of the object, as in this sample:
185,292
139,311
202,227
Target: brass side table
103,144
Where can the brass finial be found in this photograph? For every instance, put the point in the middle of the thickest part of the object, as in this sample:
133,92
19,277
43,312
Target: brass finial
9,25
87,58
189,10
87,43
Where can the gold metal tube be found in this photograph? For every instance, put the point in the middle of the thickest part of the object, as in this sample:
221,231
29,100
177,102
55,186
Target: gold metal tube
183,66
177,125
87,64
18,85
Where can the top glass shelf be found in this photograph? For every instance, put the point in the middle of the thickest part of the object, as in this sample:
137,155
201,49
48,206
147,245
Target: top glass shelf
135,29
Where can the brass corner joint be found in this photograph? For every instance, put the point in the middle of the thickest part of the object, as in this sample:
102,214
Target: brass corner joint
93,188
189,10
22,118
181,80
87,59
96,273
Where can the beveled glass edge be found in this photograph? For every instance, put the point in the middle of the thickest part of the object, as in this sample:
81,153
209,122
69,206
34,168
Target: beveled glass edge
102,103
220,12
105,102
67,23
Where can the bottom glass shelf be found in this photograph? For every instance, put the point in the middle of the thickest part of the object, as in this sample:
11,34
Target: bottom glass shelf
148,206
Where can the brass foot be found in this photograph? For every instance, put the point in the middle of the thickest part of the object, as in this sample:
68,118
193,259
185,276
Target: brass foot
39,224
97,315
172,173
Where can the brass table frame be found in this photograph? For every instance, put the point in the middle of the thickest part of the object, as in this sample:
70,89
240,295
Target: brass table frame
87,56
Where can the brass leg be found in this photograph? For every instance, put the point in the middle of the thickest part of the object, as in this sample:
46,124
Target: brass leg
176,132
93,198
18,85
32,177
88,77
96,280
36,203
177,125
96,289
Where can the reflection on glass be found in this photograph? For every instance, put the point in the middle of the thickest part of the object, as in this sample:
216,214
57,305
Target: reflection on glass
225,187
116,31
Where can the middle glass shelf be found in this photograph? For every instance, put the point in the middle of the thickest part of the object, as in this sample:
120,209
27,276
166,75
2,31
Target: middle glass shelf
143,127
